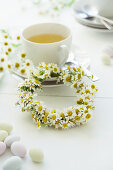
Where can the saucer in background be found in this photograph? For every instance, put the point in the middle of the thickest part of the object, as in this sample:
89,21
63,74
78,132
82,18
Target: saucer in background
93,23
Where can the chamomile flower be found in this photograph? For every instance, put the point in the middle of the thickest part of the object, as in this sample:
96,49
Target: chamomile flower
23,55
17,65
22,70
75,115
67,79
28,63
55,69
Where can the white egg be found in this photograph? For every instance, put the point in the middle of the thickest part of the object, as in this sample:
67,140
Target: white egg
108,50
11,139
3,135
2,147
36,154
6,126
13,163
106,59
18,149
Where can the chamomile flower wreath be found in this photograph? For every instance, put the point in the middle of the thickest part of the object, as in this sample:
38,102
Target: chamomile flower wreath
75,115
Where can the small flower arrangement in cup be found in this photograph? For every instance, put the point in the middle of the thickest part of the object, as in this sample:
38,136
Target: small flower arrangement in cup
75,115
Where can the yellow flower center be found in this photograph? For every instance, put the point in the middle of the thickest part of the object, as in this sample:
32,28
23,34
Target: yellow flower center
46,114
79,76
74,68
69,113
1,68
40,65
23,55
17,65
88,116
65,124
69,67
46,67
62,115
68,78
93,86
18,37
54,111
85,103
22,71
35,119
88,107
5,43
9,66
40,108
77,118
54,117
36,81
33,115
30,102
5,36
79,70
2,59
55,69
82,72
9,49
38,124
87,91
80,101
57,121
45,119
75,85
77,111
27,64
6,53
85,111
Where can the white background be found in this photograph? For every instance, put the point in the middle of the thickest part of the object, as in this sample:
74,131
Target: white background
89,147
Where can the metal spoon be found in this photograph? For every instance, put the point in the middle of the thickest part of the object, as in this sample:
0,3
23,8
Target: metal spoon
74,62
90,12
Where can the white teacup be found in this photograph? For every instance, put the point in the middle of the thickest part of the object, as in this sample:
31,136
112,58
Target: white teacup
56,52
105,7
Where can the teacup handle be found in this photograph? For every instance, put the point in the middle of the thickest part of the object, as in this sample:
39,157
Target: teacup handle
63,54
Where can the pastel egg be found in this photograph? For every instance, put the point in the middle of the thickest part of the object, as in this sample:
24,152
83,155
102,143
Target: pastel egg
18,149
3,135
6,126
13,163
11,139
2,148
108,50
36,154
106,59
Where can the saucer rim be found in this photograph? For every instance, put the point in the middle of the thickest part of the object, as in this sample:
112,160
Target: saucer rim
85,22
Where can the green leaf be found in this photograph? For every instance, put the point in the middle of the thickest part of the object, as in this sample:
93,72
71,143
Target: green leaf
56,8
41,72
70,3
3,31
16,45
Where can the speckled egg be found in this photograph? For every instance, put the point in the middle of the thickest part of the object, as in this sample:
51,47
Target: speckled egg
2,148
36,154
13,163
18,149
6,126
11,139
3,135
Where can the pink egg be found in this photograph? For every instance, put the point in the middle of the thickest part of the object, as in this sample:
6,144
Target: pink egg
2,148
18,149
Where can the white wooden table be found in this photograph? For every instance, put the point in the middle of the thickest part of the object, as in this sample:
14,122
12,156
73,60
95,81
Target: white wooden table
89,147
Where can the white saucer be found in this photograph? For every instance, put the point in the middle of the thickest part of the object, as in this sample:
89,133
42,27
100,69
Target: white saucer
83,61
93,23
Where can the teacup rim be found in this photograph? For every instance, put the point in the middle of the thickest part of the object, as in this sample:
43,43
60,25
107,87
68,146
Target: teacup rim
53,43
